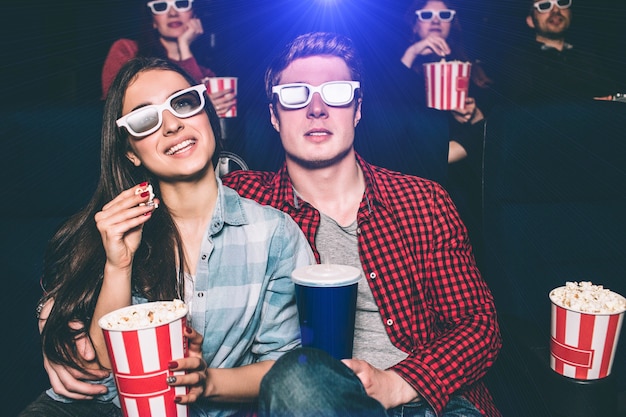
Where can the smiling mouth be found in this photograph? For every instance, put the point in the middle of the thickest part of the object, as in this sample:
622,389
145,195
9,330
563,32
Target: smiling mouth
181,147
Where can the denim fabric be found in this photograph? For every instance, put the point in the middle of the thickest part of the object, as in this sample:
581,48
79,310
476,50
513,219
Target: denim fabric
46,406
310,383
457,407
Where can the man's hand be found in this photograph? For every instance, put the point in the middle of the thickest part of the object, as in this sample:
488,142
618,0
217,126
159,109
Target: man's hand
70,382
385,386
66,380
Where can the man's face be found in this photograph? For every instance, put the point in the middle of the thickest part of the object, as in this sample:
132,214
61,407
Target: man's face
552,24
317,135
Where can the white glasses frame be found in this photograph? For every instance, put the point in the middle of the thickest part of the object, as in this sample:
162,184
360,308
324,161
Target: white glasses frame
552,4
435,13
315,89
160,108
170,3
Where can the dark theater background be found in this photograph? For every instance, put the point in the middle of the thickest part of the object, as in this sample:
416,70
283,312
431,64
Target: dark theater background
55,49
51,56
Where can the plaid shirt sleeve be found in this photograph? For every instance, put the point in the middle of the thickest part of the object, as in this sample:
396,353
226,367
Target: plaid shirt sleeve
416,253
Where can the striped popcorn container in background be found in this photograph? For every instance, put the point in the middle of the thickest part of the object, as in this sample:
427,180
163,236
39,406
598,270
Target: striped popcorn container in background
582,344
447,84
216,84
141,340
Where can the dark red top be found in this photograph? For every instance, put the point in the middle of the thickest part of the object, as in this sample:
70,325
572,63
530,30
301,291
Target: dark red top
123,50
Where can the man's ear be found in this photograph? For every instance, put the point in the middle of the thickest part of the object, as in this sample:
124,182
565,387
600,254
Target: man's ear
274,118
357,112
133,158
530,22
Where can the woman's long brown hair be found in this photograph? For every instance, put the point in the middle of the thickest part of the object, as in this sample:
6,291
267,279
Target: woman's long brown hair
75,257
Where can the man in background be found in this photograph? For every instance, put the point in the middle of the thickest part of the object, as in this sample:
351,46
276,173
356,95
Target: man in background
549,68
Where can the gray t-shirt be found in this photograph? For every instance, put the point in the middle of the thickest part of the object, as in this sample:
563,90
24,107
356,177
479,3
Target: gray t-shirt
371,342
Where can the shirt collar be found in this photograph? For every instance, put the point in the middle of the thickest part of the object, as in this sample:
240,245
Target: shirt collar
373,194
286,192
228,209
566,47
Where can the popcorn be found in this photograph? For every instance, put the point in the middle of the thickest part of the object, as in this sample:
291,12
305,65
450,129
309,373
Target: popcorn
144,315
586,297
150,200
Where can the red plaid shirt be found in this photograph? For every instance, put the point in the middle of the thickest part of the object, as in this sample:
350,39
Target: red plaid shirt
418,260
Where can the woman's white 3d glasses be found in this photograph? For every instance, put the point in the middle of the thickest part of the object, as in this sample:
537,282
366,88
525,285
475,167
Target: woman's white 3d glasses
162,6
428,15
146,120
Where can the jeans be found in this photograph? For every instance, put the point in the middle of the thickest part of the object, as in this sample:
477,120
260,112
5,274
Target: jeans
456,407
310,383
44,406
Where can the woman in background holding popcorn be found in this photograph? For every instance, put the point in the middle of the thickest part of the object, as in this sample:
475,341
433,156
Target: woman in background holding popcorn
169,29
435,34
228,257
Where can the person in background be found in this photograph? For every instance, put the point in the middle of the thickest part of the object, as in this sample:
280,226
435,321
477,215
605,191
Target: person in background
168,29
436,34
227,257
549,68
426,330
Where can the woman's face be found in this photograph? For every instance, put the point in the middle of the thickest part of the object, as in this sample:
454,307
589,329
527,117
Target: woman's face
181,147
435,26
172,24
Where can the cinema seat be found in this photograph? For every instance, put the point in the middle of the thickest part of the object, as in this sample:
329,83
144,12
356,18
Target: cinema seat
554,198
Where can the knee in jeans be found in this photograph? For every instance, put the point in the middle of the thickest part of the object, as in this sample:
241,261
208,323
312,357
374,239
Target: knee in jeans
298,363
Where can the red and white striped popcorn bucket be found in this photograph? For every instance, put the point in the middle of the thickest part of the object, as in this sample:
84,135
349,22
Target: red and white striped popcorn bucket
583,345
216,84
139,358
447,84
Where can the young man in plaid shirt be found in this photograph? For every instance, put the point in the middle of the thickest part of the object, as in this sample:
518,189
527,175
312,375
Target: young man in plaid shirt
426,329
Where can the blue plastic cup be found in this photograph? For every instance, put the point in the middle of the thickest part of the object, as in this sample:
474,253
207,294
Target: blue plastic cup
326,299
